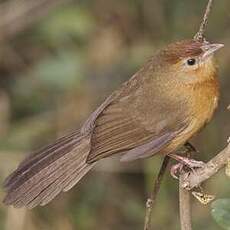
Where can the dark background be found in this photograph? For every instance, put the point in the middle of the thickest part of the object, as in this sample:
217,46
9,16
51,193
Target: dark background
58,61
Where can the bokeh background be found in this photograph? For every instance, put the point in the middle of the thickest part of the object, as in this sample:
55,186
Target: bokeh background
59,59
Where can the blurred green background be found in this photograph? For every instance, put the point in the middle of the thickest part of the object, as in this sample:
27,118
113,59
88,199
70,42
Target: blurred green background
58,60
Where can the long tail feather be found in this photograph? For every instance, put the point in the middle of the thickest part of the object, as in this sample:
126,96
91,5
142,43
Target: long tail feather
60,147
42,176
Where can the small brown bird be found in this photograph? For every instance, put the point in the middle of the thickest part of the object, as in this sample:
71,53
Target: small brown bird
155,112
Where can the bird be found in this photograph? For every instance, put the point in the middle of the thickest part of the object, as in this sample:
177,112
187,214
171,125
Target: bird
157,111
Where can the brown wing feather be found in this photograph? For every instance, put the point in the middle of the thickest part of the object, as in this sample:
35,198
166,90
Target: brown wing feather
117,132
113,134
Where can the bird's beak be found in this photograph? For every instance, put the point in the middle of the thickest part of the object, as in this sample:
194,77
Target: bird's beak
210,49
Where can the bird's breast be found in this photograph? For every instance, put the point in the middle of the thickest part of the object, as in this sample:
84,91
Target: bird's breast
201,103
204,100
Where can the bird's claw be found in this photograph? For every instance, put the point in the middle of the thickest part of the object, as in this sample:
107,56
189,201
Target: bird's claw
176,170
189,163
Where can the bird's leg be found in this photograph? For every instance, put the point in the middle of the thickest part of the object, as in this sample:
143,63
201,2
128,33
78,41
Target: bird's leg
185,161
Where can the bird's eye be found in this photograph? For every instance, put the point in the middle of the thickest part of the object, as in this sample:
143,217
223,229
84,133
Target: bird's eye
191,61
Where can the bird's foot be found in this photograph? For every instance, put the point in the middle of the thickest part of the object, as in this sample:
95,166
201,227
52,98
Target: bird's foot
191,164
176,170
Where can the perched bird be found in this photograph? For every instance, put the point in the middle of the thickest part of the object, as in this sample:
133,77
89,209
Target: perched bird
157,111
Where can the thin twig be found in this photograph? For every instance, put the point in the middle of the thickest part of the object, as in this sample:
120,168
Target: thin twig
185,206
198,176
152,199
200,34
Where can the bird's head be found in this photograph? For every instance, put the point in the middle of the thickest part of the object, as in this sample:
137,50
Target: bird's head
190,61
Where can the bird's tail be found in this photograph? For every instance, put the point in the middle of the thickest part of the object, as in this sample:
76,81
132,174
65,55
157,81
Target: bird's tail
43,175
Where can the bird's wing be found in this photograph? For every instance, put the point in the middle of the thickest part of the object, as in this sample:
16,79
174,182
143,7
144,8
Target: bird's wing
150,148
122,124
117,131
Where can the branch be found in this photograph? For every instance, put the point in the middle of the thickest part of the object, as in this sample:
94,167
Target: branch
200,34
151,201
198,176
185,206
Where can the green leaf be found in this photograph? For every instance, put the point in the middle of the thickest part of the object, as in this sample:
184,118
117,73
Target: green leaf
221,212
